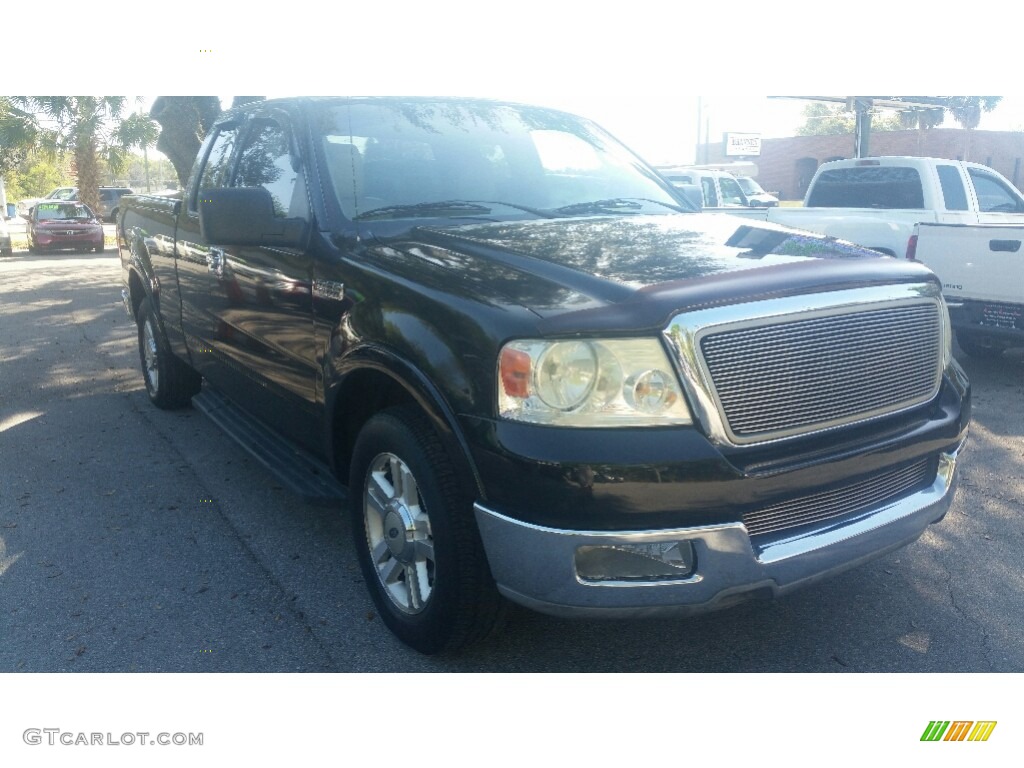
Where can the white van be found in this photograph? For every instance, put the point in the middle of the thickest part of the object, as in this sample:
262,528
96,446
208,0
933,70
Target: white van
721,190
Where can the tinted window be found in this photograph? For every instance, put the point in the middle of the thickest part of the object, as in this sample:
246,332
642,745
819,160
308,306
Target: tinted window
871,186
216,170
265,161
993,194
953,192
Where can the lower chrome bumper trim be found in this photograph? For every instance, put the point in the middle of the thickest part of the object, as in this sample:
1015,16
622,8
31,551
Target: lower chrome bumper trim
535,565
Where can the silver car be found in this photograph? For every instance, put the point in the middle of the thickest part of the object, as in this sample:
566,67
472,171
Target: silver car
110,197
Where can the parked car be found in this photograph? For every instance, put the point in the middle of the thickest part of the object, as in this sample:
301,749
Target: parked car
981,267
756,196
24,207
5,239
110,199
720,188
876,201
57,224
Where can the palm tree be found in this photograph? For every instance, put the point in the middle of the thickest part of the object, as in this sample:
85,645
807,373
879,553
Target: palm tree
85,126
967,111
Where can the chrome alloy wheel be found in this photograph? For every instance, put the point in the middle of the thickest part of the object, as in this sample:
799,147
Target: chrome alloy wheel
398,533
151,355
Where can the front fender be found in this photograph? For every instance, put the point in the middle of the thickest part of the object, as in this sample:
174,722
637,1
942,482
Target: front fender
357,389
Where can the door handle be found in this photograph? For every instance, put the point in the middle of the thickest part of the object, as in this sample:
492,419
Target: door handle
1008,246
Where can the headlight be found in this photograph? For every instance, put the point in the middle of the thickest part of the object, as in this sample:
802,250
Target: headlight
607,383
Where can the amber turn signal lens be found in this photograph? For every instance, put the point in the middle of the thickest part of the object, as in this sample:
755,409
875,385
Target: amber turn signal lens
515,372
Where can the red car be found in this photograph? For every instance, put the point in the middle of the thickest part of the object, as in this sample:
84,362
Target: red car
56,224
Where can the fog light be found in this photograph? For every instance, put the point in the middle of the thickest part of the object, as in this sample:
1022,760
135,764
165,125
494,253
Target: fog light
657,561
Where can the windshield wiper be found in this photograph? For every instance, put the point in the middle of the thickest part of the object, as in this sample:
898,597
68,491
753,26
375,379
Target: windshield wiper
529,209
613,205
424,209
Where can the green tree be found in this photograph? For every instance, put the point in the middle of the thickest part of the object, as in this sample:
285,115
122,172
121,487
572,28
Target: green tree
967,111
922,113
827,120
37,175
184,122
91,129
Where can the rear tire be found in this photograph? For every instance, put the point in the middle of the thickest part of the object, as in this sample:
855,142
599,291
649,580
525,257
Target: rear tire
169,381
416,537
100,248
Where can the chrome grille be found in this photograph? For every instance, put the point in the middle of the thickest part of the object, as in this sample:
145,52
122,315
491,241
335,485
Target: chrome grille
827,505
774,378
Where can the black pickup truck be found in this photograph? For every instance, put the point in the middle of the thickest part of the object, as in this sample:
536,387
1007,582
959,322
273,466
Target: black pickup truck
532,370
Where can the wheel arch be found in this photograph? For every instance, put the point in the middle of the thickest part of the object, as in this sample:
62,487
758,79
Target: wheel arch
374,379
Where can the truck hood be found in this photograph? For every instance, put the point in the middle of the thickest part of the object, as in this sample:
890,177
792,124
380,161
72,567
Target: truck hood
644,266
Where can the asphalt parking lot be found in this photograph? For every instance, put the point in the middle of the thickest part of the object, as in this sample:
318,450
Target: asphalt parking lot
133,539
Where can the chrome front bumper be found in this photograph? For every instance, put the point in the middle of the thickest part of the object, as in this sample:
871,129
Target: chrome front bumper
535,566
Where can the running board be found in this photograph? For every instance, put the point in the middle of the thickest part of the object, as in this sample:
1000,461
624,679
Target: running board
297,470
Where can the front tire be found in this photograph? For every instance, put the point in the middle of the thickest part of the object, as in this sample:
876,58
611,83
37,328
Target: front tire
170,383
416,537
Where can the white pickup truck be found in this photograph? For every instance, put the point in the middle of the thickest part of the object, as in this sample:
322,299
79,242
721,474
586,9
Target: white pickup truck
876,202
982,272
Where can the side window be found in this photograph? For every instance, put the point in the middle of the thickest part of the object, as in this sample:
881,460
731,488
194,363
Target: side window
216,169
731,192
953,191
993,195
265,161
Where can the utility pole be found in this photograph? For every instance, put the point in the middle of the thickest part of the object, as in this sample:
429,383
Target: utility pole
700,123
862,130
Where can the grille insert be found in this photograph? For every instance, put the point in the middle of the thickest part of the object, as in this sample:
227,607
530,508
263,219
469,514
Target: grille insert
828,505
786,378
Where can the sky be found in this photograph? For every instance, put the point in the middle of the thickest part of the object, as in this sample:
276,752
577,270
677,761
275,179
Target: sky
638,70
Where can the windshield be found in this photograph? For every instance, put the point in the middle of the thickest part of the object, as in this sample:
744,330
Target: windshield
749,186
413,159
62,212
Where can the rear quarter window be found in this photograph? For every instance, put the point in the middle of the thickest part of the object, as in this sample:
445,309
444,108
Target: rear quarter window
867,187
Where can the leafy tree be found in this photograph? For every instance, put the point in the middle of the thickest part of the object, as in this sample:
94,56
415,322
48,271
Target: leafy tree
927,112
826,120
91,129
967,111
37,175
184,122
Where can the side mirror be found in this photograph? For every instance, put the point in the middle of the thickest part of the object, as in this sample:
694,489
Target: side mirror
245,216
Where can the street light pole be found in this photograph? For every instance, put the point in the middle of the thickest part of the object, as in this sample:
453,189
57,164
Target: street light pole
700,122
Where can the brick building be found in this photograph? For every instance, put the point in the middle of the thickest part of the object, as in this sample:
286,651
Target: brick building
787,165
